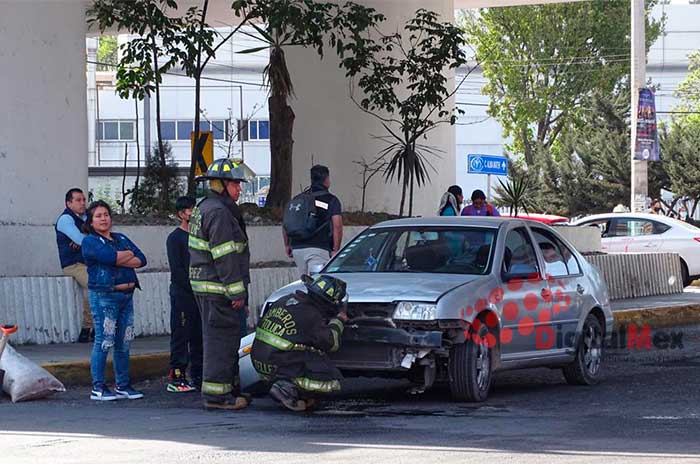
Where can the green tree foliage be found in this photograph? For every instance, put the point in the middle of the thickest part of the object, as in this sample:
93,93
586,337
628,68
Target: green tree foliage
146,58
107,53
680,144
293,23
588,171
689,90
161,185
404,85
543,62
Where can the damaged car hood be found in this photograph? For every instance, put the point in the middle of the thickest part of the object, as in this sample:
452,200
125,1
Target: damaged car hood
387,287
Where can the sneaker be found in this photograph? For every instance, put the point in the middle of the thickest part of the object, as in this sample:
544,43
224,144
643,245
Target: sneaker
84,336
232,404
286,393
180,386
102,394
178,382
127,392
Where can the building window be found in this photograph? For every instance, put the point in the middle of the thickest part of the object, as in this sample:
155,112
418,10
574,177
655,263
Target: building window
115,130
181,130
184,129
258,130
167,130
219,129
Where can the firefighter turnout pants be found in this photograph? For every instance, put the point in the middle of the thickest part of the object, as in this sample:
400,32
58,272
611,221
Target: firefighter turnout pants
221,330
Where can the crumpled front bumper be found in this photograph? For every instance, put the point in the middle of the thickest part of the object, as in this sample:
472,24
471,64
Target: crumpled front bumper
382,348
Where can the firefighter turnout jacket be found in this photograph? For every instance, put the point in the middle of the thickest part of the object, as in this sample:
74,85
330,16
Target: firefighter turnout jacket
219,254
292,341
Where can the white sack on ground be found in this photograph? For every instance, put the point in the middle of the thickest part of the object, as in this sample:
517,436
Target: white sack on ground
24,380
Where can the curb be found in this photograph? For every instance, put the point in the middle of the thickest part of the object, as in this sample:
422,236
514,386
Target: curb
155,365
141,367
667,316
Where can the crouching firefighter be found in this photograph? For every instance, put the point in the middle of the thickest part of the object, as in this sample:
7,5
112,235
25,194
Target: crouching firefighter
293,338
219,276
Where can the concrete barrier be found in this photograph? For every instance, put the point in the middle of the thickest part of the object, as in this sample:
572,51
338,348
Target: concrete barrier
48,309
633,275
31,250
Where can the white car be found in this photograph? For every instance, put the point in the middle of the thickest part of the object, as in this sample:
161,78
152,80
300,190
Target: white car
643,232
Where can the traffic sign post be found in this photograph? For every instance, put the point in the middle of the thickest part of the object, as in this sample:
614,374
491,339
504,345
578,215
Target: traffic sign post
489,165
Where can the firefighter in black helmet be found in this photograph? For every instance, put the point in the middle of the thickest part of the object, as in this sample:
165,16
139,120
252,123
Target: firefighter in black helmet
219,275
293,338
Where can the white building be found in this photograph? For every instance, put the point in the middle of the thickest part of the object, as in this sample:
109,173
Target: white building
233,108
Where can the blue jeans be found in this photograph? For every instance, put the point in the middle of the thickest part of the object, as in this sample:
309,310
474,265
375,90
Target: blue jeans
113,316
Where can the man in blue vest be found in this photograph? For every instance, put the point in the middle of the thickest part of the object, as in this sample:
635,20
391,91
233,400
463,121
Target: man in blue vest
69,237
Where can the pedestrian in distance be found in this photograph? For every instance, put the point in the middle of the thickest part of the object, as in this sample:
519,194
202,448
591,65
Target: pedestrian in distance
185,318
111,259
479,206
69,238
293,339
219,276
451,201
312,226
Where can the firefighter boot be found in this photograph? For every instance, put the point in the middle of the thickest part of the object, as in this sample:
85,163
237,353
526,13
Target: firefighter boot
232,404
286,393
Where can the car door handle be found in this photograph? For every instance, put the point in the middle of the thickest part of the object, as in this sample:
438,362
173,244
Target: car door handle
580,289
546,294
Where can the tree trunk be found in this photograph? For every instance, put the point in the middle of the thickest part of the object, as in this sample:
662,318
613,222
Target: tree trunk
161,150
281,148
529,158
135,193
403,196
196,152
410,197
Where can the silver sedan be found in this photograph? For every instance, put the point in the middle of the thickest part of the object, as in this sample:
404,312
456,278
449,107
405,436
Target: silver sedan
456,299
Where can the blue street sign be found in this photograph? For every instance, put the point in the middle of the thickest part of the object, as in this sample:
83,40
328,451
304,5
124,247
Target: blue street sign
487,164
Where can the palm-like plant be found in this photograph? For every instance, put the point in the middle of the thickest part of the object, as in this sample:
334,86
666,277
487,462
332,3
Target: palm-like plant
517,194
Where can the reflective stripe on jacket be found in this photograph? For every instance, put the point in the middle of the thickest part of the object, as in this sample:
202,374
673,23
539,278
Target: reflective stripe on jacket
291,342
219,255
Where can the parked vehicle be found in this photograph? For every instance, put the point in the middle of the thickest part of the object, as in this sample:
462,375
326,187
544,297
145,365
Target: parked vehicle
456,299
643,232
549,219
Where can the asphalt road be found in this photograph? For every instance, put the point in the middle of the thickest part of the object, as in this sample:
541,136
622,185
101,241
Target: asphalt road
646,410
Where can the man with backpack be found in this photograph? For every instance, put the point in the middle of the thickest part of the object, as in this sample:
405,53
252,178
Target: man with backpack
313,224
479,206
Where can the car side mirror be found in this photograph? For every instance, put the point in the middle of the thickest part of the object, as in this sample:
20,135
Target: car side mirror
521,272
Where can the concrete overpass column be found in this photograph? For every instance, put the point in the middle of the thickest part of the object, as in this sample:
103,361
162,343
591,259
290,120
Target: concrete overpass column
329,128
43,123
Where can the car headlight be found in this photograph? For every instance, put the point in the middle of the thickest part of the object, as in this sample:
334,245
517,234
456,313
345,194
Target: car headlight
415,311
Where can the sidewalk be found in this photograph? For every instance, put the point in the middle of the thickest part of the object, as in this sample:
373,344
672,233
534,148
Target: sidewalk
70,362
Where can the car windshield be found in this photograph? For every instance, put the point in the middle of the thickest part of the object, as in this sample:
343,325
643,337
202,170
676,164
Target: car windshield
427,249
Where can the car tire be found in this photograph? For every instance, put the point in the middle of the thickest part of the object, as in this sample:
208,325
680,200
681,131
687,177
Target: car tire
471,368
685,274
587,366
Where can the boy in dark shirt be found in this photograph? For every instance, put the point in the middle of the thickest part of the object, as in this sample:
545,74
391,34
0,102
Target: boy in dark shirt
185,319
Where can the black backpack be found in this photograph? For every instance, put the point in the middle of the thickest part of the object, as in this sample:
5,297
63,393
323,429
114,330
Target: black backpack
300,220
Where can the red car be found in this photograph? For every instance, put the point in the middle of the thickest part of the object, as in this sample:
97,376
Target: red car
549,219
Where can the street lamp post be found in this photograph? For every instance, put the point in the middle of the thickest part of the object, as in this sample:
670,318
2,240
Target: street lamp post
640,185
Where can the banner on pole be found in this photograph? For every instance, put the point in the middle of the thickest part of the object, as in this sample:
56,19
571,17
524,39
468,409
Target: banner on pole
647,135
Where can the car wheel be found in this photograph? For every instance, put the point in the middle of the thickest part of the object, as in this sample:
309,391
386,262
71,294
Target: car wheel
471,368
586,368
685,274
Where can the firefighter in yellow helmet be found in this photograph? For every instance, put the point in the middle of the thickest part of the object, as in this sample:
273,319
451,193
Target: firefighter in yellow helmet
219,275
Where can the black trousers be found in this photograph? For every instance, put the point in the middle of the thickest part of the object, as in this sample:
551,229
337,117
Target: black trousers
185,333
221,327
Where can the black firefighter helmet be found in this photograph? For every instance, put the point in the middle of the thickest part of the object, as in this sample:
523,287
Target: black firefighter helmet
329,289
